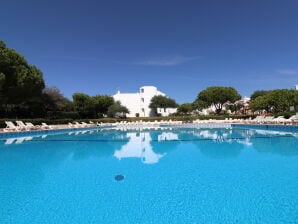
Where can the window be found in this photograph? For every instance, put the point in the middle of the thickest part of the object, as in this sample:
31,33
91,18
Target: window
143,100
142,90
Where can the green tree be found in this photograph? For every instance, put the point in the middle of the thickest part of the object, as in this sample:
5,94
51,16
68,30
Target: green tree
102,104
55,103
2,44
117,110
92,106
185,108
260,103
275,101
2,82
56,99
21,84
258,93
281,100
84,105
162,102
199,105
217,95
234,107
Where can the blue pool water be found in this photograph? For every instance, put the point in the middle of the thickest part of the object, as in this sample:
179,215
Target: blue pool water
169,176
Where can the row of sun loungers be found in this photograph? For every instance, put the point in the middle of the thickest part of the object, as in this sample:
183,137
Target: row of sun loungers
271,120
146,123
28,126
82,124
257,120
21,126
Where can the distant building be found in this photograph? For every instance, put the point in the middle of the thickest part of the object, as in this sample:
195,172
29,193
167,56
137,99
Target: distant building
296,87
138,103
244,102
207,111
166,111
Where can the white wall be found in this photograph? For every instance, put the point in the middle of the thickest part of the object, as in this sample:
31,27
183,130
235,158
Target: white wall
138,102
146,94
166,111
129,100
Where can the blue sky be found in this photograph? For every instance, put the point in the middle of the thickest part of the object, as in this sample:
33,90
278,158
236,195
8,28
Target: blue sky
182,47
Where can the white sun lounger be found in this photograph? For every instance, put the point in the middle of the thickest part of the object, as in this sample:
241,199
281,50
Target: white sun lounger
32,126
22,125
45,126
11,127
280,120
84,124
76,125
293,119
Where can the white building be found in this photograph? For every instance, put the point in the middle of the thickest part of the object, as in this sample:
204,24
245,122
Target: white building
138,103
166,111
296,87
244,101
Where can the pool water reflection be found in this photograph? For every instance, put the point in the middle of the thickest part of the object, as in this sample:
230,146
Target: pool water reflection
171,175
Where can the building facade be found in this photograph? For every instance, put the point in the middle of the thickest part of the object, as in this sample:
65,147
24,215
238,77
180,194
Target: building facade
138,103
166,111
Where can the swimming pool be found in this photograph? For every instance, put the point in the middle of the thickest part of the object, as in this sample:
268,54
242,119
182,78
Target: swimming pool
161,175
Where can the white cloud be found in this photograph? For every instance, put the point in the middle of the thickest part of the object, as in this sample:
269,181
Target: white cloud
288,71
165,61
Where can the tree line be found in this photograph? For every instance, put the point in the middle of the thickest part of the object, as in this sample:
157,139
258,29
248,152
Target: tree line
279,101
24,94
275,101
